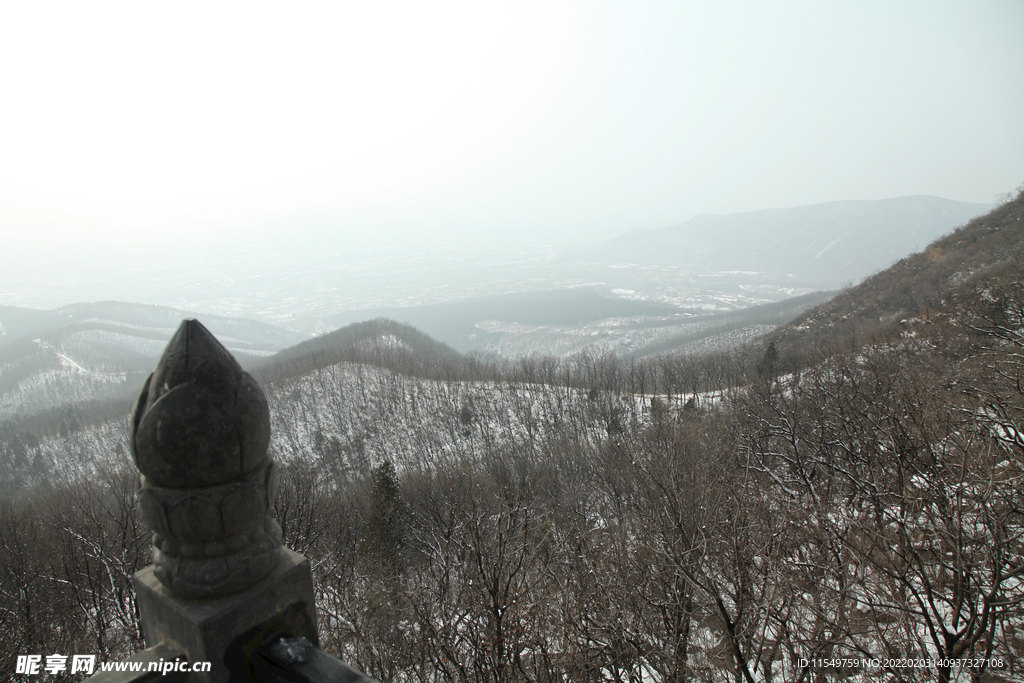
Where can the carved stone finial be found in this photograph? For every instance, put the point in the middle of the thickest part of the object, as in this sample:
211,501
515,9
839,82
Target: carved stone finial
199,435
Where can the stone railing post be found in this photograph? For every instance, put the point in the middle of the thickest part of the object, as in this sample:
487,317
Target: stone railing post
222,588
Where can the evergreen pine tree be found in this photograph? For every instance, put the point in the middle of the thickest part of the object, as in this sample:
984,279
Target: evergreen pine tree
384,533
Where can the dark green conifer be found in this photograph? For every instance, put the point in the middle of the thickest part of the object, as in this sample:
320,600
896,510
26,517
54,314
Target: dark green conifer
384,533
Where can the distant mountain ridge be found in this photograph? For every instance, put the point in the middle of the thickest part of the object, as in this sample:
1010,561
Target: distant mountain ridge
823,245
102,351
142,320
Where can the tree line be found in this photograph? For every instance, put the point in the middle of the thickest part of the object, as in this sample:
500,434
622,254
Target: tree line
745,516
865,506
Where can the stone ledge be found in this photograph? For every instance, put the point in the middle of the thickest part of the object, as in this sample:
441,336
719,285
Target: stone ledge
226,631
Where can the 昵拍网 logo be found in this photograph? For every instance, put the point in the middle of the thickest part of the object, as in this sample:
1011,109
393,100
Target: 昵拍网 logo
54,664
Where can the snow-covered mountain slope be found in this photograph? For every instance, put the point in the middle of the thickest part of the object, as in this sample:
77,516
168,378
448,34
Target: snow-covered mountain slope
347,418
87,352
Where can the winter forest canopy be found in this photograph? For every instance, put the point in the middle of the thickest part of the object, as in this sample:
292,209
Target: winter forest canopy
847,486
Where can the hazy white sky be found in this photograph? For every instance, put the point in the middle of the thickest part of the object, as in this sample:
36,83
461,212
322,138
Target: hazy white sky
119,120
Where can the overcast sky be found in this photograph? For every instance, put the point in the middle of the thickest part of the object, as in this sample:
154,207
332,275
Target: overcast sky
121,120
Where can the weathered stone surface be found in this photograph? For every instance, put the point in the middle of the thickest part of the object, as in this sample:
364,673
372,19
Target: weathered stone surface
199,435
221,585
199,419
242,505
195,517
225,630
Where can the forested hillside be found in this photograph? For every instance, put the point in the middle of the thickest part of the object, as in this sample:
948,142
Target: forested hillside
850,486
954,275
85,358
824,244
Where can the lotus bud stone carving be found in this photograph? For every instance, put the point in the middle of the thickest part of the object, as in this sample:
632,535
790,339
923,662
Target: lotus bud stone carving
199,435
